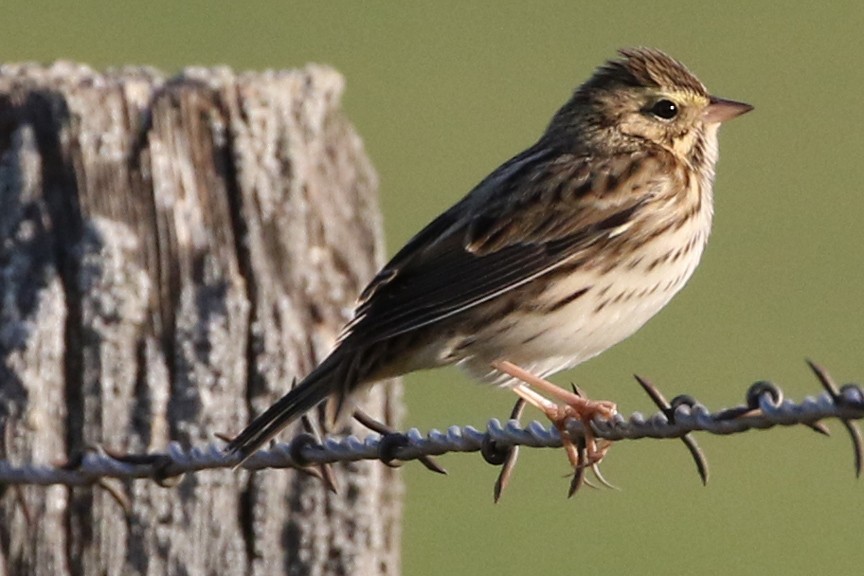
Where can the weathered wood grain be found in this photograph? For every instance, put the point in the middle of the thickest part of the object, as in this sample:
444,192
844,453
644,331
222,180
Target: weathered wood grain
174,252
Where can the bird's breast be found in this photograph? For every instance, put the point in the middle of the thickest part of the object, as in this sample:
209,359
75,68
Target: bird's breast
569,316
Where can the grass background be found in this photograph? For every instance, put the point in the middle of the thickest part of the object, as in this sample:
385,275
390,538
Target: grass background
442,93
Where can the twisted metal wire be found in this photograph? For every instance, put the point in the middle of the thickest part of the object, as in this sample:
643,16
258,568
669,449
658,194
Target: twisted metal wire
764,408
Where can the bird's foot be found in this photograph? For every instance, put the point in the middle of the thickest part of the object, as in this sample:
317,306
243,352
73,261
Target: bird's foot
583,410
567,405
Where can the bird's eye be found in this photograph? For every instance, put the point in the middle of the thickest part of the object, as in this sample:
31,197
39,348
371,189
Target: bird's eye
665,109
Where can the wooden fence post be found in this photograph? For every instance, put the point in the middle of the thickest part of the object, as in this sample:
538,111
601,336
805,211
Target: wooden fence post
172,253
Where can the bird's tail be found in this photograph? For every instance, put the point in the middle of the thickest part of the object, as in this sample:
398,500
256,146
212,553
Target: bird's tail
326,380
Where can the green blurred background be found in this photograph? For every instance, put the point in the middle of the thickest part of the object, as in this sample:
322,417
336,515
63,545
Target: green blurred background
444,92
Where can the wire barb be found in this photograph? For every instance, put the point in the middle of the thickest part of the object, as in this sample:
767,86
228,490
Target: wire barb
511,454
848,393
764,407
668,409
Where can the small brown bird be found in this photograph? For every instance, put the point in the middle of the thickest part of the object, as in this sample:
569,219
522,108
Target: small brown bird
562,252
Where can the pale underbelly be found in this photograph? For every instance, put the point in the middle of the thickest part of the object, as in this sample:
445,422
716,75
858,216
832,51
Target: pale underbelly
611,309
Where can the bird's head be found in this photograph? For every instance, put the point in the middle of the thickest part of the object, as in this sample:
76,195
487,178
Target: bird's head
645,98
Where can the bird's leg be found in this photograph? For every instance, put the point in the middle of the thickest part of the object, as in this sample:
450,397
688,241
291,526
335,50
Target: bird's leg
580,405
555,413
573,405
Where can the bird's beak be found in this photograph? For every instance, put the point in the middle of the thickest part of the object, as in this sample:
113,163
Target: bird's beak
720,110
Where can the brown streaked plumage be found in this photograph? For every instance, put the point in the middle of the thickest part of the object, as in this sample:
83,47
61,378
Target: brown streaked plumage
560,253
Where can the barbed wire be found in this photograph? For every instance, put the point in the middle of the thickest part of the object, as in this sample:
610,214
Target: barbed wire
764,407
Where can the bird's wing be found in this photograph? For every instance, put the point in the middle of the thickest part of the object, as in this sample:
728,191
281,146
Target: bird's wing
508,231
